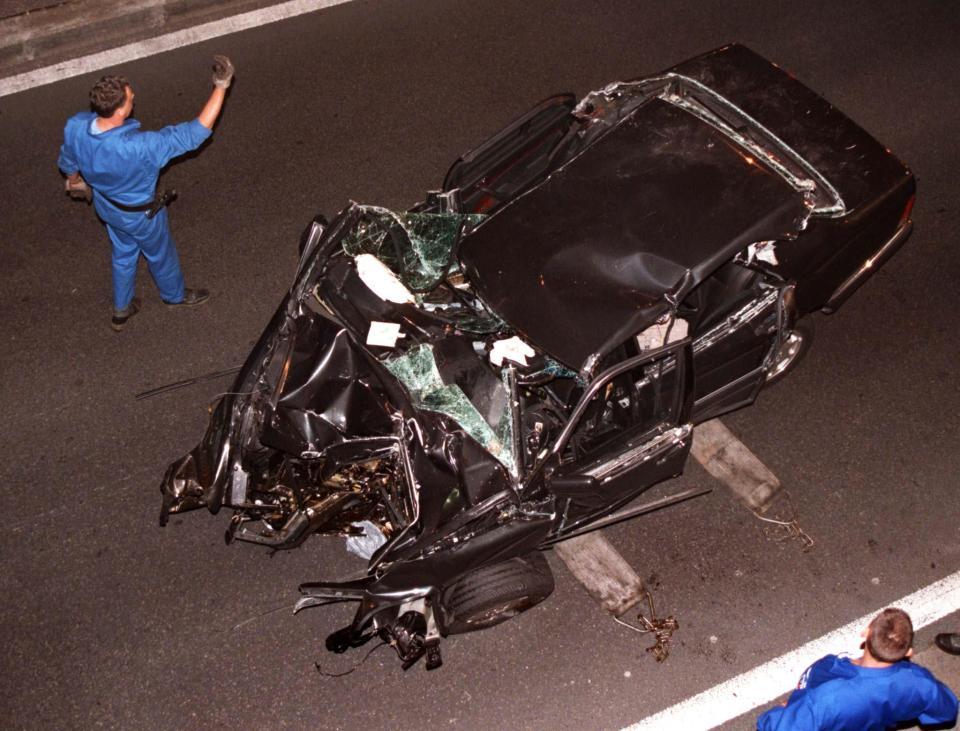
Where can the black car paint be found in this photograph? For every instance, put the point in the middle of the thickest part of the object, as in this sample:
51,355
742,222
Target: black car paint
313,404
655,205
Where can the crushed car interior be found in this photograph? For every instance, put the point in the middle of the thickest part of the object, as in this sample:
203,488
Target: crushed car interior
513,361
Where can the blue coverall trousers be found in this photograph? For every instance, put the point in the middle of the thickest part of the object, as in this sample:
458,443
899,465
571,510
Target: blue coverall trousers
133,233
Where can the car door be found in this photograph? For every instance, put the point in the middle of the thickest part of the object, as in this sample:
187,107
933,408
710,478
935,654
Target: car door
629,431
732,354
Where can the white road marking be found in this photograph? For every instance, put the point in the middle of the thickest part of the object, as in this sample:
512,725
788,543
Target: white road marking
761,685
167,42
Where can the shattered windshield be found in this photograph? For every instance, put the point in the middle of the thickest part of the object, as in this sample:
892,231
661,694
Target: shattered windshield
418,247
417,370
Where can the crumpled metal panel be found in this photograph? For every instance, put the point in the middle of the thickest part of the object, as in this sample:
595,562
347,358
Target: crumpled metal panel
417,370
421,256
329,392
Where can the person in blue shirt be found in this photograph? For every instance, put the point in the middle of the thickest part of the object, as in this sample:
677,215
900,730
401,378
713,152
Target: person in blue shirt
106,151
874,692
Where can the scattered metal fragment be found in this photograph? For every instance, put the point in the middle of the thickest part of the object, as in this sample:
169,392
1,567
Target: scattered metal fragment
372,650
662,629
255,617
185,382
787,528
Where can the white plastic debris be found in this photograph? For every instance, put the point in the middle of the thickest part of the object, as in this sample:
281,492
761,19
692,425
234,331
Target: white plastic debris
384,334
511,349
381,281
655,335
762,251
365,545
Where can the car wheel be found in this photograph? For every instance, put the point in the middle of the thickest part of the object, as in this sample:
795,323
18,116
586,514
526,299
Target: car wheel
790,352
493,594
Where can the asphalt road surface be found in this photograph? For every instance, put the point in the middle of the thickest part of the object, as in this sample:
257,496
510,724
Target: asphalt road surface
108,620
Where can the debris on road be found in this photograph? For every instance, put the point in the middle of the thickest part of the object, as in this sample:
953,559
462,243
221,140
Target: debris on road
610,580
662,629
784,526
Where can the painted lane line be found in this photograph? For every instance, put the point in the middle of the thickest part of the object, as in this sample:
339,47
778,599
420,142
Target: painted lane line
167,42
763,684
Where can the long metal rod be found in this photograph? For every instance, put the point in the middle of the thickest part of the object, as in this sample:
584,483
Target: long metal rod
186,382
633,512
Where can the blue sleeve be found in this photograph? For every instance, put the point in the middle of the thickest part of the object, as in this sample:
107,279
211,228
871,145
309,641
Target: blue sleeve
941,707
161,146
798,715
67,162
822,671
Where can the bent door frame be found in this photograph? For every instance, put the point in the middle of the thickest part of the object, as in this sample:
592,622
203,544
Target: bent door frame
660,455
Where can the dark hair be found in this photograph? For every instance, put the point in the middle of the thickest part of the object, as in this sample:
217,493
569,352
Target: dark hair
108,95
890,635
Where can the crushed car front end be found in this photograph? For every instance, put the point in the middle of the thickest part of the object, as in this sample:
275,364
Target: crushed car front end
319,435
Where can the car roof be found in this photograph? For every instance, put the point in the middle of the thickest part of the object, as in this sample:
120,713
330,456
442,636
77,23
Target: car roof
596,252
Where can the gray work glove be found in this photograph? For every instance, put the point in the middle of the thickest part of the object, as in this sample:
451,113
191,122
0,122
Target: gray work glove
78,190
222,71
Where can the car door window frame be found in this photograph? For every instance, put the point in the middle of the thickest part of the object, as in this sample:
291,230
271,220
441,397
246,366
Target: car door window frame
681,350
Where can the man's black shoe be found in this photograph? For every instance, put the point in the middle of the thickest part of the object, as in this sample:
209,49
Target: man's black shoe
191,298
948,642
120,317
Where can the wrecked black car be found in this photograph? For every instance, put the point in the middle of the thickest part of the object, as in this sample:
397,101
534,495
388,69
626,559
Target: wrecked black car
514,360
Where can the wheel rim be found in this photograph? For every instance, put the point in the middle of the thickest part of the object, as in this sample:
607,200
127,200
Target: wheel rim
786,355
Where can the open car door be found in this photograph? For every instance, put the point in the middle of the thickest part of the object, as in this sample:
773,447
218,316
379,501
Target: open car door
629,431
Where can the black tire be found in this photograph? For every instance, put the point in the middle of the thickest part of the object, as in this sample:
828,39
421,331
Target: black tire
791,352
493,594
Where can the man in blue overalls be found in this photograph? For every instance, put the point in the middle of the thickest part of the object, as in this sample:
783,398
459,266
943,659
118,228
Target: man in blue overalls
105,150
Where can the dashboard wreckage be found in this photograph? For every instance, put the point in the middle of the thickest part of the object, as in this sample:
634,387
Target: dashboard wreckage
514,360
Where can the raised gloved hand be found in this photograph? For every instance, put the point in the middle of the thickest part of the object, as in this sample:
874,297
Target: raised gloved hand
222,71
78,189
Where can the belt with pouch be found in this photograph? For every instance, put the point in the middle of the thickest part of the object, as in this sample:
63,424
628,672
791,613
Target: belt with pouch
151,208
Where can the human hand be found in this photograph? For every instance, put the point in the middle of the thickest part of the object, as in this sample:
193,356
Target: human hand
222,71
77,188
